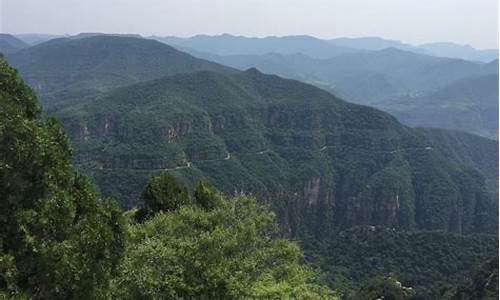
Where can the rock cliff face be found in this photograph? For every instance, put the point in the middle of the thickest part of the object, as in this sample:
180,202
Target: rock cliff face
322,163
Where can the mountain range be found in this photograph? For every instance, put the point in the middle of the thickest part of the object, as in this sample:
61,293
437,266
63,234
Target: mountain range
63,69
134,107
393,80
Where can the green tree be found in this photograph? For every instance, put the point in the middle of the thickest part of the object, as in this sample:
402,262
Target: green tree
57,241
386,288
162,193
206,196
228,252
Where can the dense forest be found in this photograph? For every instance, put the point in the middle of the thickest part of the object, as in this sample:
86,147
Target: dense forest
60,241
181,178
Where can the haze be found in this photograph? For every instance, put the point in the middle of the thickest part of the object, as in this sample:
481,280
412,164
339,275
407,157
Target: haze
460,21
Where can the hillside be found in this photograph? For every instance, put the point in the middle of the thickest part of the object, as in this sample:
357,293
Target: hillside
9,43
420,90
460,51
33,39
322,163
59,240
432,263
369,77
469,104
65,69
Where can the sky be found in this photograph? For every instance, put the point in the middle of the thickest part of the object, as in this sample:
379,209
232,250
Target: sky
473,22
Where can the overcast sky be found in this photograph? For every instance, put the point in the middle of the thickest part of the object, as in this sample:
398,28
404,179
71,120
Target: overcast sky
471,22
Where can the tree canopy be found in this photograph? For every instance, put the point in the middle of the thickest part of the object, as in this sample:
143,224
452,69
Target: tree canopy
57,240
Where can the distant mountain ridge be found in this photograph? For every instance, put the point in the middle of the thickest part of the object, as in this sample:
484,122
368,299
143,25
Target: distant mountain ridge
394,80
10,43
238,45
100,62
466,52
227,44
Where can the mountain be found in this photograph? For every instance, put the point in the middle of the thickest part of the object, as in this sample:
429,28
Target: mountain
460,51
469,104
374,43
83,35
36,38
9,43
414,87
239,45
321,162
391,71
63,69
227,44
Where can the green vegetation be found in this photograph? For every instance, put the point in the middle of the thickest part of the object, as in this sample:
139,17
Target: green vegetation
321,164
227,250
59,241
432,263
481,284
365,196
69,70
420,90
384,288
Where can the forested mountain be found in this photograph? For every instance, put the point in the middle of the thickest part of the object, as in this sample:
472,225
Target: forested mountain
390,79
58,240
368,77
469,104
320,161
361,193
9,43
420,90
67,69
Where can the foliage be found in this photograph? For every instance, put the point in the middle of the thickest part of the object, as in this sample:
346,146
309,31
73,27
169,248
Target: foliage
163,193
481,284
430,262
321,163
206,196
56,240
230,251
70,70
384,288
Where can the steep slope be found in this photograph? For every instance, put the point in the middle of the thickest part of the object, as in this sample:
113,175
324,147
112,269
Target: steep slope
73,68
323,162
9,43
227,44
469,104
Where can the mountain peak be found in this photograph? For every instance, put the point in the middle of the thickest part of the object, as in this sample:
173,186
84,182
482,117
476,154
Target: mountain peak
253,71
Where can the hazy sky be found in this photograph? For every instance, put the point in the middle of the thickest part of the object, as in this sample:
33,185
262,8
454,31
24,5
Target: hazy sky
471,22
